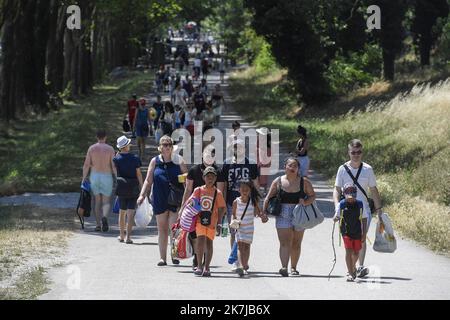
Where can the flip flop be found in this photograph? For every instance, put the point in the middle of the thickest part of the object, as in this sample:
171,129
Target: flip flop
120,240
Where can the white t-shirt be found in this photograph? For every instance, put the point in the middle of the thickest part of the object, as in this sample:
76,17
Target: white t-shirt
366,179
180,96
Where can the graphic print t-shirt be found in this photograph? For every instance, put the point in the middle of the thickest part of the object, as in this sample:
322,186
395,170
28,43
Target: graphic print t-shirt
206,196
233,172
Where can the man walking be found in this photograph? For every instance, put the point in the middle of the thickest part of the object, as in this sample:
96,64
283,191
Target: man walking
99,163
357,171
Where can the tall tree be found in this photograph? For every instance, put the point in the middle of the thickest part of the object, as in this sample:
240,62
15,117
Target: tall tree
426,14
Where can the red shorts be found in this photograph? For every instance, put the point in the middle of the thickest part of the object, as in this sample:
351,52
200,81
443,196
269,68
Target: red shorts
354,244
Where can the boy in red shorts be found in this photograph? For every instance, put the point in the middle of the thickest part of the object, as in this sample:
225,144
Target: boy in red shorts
352,227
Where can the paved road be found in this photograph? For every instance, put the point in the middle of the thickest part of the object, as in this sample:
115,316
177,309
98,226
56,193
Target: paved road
111,270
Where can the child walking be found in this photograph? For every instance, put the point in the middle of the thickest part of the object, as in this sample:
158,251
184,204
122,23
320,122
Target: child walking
245,209
213,209
352,227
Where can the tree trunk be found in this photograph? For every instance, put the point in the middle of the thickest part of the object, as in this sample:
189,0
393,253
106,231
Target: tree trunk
388,65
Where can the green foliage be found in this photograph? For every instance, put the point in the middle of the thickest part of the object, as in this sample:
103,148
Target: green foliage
360,68
265,62
443,47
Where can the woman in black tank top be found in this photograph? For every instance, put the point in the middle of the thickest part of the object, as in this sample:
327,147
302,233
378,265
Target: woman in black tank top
293,190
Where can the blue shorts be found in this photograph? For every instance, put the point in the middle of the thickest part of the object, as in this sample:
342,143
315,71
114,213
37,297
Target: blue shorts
101,183
284,220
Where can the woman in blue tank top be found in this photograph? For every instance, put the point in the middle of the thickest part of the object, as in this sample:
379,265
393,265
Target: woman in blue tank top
162,169
142,119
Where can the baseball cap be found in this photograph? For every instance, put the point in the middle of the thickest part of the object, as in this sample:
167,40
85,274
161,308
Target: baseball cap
209,170
350,190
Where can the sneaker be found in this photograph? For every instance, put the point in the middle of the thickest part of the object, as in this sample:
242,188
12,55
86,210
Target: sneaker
105,226
245,272
198,272
240,271
362,271
350,278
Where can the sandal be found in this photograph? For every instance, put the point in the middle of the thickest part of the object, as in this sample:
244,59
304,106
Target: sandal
175,261
120,239
161,263
294,272
206,273
198,272
129,241
284,272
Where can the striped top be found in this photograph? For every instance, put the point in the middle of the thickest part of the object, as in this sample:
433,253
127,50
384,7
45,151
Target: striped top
247,228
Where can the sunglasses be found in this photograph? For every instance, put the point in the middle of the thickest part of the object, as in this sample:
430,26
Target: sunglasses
356,152
166,145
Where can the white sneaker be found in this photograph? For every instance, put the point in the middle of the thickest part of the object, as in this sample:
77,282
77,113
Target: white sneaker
235,267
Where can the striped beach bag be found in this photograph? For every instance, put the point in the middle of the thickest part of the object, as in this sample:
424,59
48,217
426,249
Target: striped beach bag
189,214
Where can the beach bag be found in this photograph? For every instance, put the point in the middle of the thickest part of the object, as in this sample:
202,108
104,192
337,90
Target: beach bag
307,217
233,254
274,206
205,216
126,126
181,244
84,201
144,214
188,219
384,235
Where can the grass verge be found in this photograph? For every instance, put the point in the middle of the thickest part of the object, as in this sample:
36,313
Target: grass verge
32,239
406,139
46,154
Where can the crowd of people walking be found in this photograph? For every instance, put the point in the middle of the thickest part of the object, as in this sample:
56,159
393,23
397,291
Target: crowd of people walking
231,195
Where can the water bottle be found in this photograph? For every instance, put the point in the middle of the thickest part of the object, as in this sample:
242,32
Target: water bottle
224,227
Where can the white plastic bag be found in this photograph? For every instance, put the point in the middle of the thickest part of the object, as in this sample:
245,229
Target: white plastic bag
384,235
144,214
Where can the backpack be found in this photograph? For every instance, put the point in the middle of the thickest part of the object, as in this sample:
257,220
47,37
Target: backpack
84,206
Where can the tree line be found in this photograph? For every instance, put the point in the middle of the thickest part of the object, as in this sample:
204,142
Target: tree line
40,58
306,36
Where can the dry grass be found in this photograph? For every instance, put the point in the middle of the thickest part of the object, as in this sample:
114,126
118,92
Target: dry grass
31,240
406,139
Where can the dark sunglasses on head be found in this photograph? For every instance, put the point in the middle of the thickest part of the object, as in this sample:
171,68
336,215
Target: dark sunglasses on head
166,145
356,152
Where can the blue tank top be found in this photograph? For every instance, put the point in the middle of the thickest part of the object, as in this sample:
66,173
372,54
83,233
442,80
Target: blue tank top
142,117
161,175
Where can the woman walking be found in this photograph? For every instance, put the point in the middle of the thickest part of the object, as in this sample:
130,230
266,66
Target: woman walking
162,174
293,190
302,151
142,120
129,182
218,102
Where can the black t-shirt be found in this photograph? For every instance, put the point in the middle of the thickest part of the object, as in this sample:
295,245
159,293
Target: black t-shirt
351,222
126,164
232,173
196,174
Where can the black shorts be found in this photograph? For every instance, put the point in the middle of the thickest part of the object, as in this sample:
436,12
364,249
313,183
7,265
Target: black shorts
193,235
127,203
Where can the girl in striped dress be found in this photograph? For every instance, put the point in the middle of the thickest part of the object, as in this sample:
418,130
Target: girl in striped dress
248,202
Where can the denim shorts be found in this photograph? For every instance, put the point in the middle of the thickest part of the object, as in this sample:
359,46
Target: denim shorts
304,165
284,220
101,183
